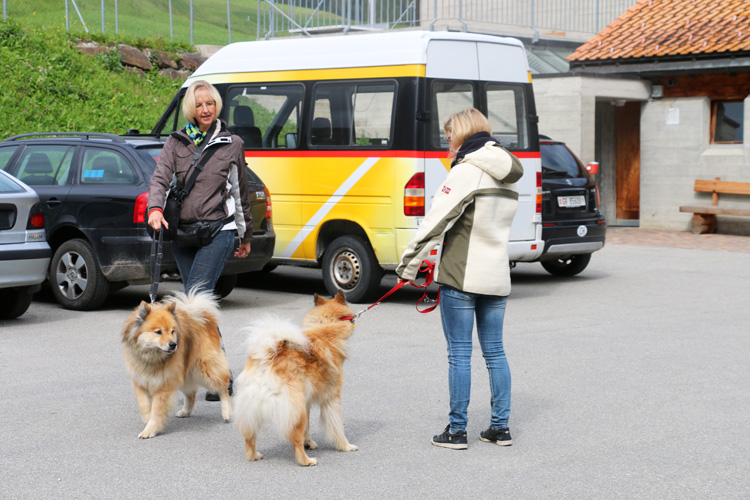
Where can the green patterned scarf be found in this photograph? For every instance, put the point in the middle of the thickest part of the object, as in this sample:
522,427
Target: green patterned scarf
195,134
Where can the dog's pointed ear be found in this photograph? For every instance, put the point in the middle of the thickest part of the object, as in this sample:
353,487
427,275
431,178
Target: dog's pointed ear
340,297
143,311
171,307
319,301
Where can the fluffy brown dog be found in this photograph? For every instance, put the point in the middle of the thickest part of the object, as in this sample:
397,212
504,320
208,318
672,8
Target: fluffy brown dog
170,345
290,368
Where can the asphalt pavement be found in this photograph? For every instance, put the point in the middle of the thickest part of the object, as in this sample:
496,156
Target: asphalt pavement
630,381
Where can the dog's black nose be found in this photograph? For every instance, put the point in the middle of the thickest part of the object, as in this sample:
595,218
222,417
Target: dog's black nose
172,346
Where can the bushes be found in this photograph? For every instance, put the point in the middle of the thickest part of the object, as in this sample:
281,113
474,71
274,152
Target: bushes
47,85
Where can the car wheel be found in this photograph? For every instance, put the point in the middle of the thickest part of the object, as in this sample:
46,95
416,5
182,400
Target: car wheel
567,266
76,280
224,285
14,302
349,264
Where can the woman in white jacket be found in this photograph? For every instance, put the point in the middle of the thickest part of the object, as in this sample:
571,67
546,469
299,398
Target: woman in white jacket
469,222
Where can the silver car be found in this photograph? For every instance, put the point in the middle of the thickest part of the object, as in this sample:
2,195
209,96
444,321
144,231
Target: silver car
24,252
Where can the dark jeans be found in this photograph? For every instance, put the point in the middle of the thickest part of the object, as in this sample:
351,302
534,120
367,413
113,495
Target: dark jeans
200,267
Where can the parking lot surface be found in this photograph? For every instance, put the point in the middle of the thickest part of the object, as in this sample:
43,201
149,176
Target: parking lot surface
629,381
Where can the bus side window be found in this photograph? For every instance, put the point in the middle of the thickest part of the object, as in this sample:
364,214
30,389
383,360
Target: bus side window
265,116
353,114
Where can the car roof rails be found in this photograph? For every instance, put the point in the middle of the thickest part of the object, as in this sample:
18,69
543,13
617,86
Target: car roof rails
82,135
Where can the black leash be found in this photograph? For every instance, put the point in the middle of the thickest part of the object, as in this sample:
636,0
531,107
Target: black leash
156,255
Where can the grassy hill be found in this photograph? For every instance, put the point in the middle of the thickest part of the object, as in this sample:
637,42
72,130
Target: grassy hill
47,85
145,18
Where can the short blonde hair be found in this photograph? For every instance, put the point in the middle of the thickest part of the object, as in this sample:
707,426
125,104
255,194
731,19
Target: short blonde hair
464,124
188,102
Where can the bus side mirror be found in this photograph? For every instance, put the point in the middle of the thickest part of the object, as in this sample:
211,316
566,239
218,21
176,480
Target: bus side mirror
593,167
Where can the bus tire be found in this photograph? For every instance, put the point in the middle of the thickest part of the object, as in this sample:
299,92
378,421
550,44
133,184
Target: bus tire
349,264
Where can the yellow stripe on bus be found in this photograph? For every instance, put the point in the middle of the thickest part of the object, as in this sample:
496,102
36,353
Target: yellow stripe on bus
413,70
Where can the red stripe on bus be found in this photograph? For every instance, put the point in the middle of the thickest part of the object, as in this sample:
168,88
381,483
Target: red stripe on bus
365,154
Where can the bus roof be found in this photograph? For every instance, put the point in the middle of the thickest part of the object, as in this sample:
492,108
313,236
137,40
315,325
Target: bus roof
333,52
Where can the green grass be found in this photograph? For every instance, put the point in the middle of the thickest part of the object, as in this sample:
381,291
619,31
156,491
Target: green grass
49,86
146,18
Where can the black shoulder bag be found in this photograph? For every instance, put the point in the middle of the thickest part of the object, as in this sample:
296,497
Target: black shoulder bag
177,195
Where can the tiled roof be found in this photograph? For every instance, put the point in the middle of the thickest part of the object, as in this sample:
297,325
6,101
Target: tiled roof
660,28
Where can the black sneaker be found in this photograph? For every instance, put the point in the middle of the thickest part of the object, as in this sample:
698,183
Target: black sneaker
500,437
455,441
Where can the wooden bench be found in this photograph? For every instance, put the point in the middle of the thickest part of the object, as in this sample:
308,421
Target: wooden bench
704,217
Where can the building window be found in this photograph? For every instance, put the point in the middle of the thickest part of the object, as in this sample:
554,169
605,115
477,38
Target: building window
727,122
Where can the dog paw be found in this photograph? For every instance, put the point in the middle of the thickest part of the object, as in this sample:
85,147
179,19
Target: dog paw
310,462
310,444
182,414
146,435
349,447
257,456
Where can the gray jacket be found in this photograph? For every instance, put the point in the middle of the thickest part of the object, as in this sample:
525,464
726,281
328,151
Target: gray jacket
221,190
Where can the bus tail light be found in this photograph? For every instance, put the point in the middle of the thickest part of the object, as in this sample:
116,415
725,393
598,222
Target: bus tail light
539,193
414,195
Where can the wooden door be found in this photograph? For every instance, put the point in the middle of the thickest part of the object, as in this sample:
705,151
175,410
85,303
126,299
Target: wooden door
628,160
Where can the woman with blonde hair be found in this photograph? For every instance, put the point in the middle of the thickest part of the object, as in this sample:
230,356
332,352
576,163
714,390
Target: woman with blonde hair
469,222
217,207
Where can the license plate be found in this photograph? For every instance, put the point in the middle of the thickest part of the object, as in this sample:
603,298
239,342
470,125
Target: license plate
571,201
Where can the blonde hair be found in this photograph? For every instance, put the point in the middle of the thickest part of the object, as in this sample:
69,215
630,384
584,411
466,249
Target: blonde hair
464,124
188,102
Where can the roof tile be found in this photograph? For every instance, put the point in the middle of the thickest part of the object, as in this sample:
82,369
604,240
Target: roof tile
657,28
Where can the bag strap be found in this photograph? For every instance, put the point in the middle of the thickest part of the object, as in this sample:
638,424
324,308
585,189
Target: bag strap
181,193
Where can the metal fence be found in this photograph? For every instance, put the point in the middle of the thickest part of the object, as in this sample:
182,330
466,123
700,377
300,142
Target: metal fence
578,18
575,20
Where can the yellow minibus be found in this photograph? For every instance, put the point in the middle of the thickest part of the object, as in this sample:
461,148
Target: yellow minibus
346,132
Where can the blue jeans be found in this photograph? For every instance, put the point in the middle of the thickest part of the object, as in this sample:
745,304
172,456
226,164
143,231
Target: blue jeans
200,267
457,310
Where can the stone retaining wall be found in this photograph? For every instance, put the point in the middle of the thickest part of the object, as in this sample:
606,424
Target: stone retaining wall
141,61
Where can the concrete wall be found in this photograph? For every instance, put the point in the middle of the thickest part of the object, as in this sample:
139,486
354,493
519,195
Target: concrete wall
675,150
580,112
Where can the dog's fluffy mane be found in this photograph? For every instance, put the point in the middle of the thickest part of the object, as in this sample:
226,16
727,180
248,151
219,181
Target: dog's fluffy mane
203,305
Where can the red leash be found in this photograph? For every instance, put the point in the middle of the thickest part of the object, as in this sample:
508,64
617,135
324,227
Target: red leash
426,267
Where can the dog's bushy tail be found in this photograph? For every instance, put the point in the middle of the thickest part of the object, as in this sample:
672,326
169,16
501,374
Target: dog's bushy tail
266,332
202,305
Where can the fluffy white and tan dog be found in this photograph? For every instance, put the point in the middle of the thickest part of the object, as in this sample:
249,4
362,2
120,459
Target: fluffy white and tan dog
289,369
175,345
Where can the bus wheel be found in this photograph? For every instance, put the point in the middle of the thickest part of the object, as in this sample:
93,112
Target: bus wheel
349,264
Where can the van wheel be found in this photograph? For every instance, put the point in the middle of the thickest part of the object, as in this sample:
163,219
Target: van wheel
76,280
349,264
567,266
224,285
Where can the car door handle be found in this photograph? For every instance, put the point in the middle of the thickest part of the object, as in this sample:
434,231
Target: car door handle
53,202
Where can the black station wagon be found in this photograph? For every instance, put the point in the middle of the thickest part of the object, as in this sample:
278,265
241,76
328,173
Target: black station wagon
573,226
93,190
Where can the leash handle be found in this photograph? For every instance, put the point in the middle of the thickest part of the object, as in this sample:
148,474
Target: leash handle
428,268
156,255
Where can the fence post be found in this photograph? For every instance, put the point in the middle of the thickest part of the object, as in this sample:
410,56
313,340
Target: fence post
229,23
191,22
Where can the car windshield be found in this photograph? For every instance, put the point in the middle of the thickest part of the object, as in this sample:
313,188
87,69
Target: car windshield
557,161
